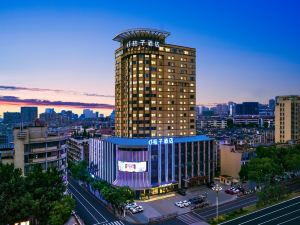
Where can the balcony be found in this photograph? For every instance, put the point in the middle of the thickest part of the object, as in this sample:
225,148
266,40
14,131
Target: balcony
43,159
22,134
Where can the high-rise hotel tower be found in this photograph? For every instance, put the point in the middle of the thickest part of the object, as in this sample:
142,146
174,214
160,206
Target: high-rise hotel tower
156,149
155,86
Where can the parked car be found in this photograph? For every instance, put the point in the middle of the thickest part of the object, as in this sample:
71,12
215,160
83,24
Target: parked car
200,205
136,209
197,200
232,191
182,192
139,208
186,203
178,203
210,184
131,205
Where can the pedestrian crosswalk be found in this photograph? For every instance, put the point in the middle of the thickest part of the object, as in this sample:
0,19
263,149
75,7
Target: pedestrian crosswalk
189,219
118,222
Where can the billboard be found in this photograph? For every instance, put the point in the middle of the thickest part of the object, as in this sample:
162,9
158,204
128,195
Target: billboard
132,166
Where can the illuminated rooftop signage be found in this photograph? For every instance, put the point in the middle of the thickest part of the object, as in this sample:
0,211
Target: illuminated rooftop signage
136,43
159,141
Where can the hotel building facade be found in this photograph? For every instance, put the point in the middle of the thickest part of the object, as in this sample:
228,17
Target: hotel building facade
155,86
156,149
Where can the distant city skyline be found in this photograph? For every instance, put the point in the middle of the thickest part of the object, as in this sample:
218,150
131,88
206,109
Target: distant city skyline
60,54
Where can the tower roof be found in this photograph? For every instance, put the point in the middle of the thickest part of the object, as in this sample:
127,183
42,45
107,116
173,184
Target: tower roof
141,33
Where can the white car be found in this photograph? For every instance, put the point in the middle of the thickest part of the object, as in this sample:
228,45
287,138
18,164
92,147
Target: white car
133,210
139,208
178,203
186,203
131,205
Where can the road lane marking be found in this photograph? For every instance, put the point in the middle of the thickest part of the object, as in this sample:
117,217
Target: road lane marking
221,207
279,217
260,210
220,211
110,223
288,220
89,203
86,208
203,211
270,213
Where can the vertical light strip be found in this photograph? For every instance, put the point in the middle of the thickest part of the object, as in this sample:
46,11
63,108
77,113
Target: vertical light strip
159,164
166,163
173,161
149,163
209,160
198,156
204,159
185,164
179,164
192,152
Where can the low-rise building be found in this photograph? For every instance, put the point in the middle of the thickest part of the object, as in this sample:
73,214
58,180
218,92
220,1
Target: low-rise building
36,145
78,149
211,122
232,158
7,153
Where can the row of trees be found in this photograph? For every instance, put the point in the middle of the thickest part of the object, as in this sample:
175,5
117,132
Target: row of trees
37,197
116,196
270,164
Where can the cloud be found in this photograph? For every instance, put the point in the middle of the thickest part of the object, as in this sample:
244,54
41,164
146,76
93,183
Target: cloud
14,88
12,100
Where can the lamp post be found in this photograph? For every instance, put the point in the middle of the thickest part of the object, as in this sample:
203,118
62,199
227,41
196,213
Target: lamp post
217,188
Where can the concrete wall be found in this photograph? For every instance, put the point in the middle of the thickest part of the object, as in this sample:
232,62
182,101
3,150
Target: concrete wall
230,161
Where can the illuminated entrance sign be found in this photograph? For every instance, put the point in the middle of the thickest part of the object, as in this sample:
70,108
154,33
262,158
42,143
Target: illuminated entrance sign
136,43
160,141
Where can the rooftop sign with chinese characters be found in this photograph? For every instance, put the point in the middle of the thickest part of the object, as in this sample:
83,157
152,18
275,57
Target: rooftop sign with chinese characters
159,141
136,43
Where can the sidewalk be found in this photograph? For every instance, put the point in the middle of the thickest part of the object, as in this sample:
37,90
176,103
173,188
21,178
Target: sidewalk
164,205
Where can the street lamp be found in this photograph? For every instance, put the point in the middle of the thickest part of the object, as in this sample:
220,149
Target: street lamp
217,188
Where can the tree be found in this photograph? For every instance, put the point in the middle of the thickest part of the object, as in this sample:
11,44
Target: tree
61,211
262,170
45,188
15,202
243,174
79,170
271,194
230,123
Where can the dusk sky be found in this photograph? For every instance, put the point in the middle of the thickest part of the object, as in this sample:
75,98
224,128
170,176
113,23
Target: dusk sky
61,53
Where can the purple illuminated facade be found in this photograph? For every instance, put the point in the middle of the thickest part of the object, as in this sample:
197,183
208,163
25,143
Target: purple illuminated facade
152,167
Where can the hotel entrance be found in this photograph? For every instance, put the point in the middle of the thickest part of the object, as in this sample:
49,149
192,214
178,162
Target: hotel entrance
163,189
147,193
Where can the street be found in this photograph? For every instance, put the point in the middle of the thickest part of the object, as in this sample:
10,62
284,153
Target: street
287,213
205,214
89,209
92,212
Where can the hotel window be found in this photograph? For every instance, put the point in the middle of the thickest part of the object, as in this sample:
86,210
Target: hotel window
183,59
167,49
153,56
186,52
